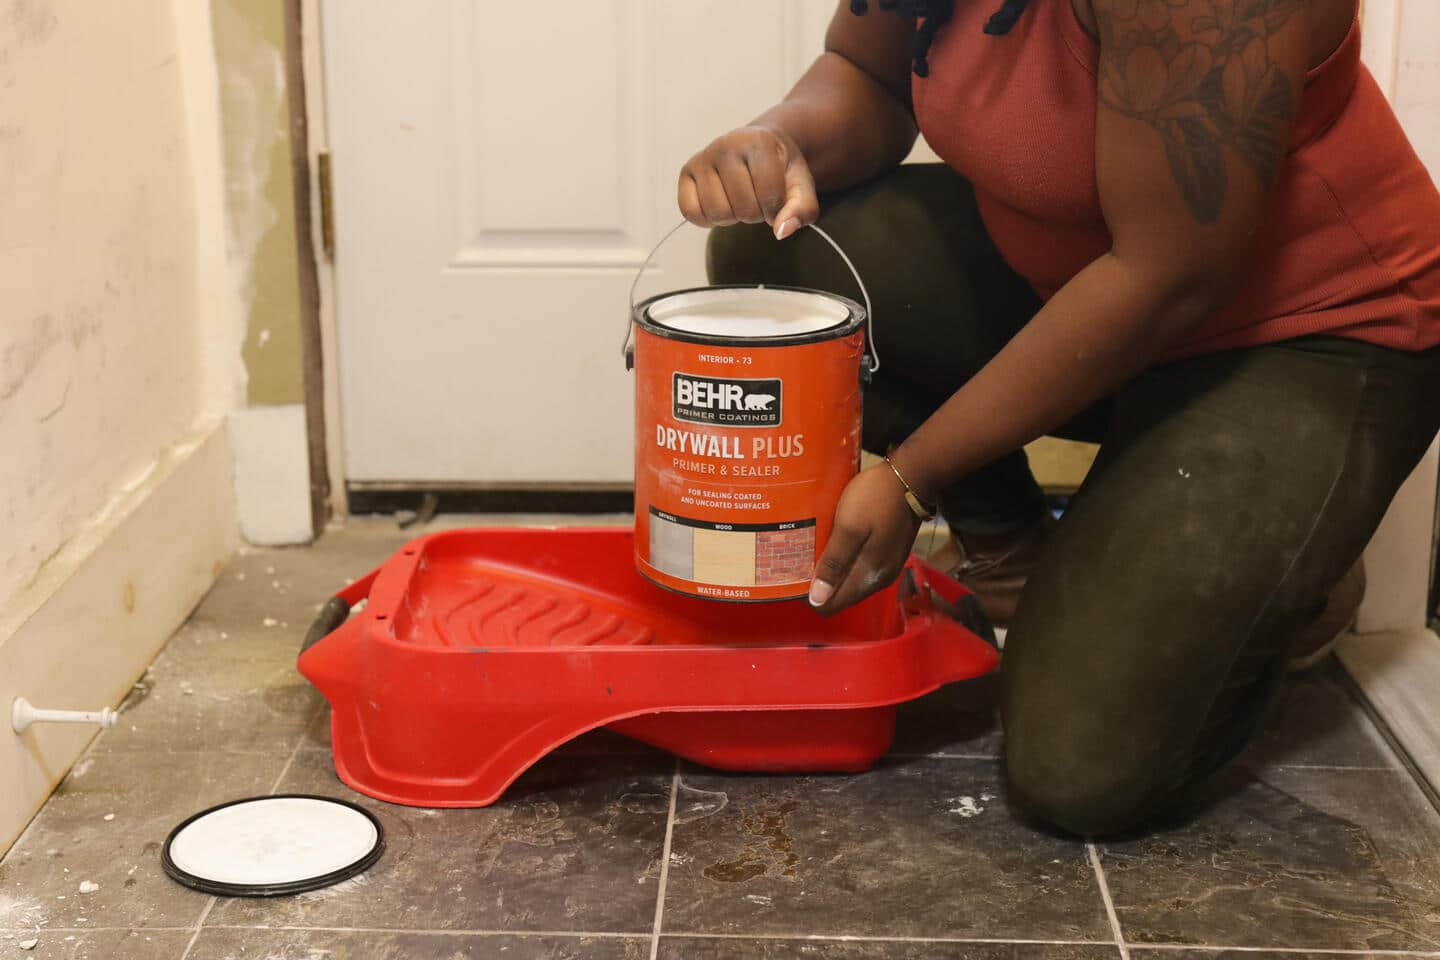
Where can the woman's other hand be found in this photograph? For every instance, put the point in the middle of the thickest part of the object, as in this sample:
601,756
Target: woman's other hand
753,174
873,534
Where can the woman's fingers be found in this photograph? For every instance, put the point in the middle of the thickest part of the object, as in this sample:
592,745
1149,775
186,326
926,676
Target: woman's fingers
835,566
736,179
713,201
873,533
752,174
689,197
766,164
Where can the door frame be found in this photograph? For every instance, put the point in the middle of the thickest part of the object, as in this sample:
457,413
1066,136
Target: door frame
305,59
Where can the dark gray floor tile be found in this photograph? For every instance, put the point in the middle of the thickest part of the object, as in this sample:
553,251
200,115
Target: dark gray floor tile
920,848
212,692
97,944
1318,722
317,734
287,585
71,842
959,718
690,948
571,846
1299,858
227,944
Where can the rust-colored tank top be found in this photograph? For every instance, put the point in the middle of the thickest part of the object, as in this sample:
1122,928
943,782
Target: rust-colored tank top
1351,246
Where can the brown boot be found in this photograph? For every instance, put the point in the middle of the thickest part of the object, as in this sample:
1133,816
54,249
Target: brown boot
995,566
1316,642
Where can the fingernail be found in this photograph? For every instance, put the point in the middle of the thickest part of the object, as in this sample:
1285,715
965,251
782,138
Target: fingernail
820,591
785,229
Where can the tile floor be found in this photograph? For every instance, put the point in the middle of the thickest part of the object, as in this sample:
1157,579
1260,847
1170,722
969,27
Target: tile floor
1317,845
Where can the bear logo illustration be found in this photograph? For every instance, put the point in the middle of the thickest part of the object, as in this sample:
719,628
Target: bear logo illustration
759,401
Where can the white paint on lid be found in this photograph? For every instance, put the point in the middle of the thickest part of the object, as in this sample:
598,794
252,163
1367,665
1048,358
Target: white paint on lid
749,312
273,840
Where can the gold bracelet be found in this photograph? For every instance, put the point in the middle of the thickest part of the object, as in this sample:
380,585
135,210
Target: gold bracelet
917,506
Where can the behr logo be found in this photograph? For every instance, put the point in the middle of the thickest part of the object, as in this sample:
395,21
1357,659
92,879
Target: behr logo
726,402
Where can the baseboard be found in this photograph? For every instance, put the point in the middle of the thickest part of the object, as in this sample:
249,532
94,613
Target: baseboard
1399,673
272,474
80,635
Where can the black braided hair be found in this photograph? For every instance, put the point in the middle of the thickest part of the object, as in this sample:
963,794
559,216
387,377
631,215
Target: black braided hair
933,14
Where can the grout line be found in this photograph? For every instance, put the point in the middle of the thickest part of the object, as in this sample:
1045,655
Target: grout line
1330,767
299,743
199,926
1109,903
612,935
443,932
844,938
941,755
796,937
37,928
665,863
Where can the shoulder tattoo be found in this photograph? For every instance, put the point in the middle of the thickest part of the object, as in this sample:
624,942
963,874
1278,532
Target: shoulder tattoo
1199,72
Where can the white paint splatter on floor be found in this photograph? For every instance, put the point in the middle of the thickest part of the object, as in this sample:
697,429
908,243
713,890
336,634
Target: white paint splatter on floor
353,885
966,807
696,804
20,912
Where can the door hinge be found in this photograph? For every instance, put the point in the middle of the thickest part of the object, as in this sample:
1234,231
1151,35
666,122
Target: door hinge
327,206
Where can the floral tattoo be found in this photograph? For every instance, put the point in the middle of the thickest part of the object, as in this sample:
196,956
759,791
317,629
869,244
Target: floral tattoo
1199,72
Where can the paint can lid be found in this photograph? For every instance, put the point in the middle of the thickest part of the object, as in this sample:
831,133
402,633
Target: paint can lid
273,846
750,313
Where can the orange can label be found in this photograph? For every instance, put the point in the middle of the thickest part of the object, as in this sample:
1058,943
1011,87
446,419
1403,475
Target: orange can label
741,453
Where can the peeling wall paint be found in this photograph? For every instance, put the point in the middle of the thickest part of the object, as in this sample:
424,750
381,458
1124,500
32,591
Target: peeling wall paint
249,41
100,337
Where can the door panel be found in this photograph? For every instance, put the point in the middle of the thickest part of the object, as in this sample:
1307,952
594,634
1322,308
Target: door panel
499,176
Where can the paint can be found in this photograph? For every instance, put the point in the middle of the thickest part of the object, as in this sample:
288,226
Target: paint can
747,429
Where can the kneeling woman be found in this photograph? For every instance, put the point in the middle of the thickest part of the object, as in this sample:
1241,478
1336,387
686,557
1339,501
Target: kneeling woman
1191,230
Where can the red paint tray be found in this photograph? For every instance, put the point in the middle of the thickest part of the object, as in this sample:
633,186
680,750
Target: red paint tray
479,651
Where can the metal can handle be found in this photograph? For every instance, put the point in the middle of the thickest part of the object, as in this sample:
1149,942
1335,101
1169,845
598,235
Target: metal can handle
627,349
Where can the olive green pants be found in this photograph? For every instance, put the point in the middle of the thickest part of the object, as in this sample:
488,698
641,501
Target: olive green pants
1231,493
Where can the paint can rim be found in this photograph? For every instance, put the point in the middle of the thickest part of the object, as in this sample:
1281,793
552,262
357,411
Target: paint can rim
854,318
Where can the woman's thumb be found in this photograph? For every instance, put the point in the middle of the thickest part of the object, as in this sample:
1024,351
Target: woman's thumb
801,207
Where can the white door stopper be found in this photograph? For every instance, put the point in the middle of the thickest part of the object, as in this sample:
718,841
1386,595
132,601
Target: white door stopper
22,715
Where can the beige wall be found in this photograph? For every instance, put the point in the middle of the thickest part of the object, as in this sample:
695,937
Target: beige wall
100,342
118,361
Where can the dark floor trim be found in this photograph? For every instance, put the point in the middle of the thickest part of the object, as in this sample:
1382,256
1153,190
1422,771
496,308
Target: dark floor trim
471,500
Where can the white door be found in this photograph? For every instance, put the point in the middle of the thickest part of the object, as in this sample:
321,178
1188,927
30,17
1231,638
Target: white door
500,171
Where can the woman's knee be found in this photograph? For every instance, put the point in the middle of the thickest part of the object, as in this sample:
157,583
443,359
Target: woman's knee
1087,799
